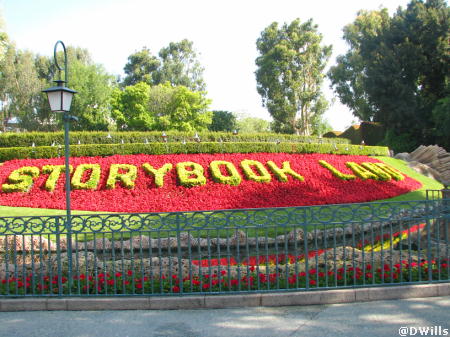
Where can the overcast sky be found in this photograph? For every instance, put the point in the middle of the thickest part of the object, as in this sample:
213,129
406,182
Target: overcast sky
224,34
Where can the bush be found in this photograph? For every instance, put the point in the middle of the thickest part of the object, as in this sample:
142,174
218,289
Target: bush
332,134
353,133
203,147
372,132
95,137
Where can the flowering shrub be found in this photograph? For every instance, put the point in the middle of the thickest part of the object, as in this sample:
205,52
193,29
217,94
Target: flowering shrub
53,171
335,172
157,173
232,176
124,173
261,175
385,241
21,179
150,183
80,173
190,174
138,283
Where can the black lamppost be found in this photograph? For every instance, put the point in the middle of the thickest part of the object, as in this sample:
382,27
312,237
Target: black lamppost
60,99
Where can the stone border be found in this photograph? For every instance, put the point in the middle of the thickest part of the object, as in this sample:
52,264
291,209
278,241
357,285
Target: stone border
227,301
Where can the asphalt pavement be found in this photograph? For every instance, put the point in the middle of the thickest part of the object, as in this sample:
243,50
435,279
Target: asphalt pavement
379,318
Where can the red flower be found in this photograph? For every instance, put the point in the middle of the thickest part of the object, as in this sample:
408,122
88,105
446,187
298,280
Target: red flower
272,194
130,273
176,289
312,282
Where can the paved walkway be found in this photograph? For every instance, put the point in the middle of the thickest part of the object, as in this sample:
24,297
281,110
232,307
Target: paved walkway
381,318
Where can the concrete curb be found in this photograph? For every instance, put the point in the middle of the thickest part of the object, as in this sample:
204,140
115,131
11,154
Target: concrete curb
227,301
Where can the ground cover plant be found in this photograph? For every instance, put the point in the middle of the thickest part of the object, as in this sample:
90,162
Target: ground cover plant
161,183
131,283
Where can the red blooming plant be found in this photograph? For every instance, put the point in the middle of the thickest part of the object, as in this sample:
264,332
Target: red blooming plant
189,182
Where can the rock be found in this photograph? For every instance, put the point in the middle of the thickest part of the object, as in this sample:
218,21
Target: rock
20,243
403,156
424,170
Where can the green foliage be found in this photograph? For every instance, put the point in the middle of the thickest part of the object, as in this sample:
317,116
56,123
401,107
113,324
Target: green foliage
223,121
396,71
129,107
372,133
191,147
161,107
180,67
21,179
253,125
141,67
26,139
289,75
91,103
353,133
332,134
24,76
19,86
177,64
441,118
400,143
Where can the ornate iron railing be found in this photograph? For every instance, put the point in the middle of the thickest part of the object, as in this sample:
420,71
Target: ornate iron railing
227,251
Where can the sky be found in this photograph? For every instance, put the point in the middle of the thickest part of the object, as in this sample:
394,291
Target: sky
224,34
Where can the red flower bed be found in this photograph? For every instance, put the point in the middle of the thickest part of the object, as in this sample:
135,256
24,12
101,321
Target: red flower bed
318,187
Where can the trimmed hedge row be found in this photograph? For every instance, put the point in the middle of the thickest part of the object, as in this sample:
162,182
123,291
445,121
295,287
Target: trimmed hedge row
203,147
96,137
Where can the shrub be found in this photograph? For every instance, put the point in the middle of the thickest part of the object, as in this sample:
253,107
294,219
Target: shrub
372,132
26,139
167,148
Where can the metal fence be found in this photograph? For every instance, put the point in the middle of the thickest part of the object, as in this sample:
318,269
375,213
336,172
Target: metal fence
227,251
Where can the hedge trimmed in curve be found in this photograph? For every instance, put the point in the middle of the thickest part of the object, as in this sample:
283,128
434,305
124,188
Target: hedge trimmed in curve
169,148
96,137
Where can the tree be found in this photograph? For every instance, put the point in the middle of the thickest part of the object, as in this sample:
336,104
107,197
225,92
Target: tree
223,121
289,74
142,66
396,70
20,85
129,107
161,107
177,64
253,125
91,103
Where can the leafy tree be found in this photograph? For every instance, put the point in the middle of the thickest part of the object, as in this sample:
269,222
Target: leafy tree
142,66
396,70
223,121
20,85
349,74
161,107
289,74
441,118
129,107
253,125
177,64
91,103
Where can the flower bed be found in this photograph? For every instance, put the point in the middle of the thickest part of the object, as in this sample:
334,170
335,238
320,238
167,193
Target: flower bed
160,183
136,283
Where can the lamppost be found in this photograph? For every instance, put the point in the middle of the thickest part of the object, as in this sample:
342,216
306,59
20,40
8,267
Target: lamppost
60,99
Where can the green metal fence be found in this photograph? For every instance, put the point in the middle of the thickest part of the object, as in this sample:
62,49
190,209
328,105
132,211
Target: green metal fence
227,251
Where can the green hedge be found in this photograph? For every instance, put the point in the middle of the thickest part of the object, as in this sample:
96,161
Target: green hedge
89,137
203,147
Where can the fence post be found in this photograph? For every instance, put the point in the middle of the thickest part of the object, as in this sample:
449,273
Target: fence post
58,256
180,269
